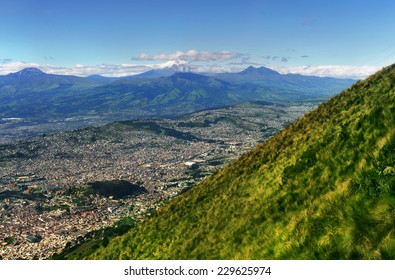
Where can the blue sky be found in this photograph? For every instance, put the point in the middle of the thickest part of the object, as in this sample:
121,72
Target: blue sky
329,38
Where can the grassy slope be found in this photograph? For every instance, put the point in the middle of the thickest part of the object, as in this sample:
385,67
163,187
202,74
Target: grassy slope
324,188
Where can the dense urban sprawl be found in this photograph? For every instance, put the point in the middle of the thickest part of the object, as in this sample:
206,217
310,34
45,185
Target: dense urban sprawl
47,204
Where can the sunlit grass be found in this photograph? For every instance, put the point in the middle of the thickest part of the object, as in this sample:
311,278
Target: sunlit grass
324,188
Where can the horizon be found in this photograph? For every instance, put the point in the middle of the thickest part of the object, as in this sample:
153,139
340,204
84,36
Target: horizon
123,38
178,71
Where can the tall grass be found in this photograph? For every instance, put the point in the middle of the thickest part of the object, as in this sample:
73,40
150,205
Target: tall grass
324,188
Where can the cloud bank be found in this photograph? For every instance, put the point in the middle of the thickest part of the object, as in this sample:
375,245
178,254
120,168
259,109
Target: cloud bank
122,70
336,71
191,55
107,70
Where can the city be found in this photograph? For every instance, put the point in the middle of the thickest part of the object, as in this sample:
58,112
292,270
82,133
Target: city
47,204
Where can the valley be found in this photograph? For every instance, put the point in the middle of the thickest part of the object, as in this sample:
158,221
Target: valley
47,202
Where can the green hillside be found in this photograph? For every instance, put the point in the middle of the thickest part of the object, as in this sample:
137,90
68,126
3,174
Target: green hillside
324,188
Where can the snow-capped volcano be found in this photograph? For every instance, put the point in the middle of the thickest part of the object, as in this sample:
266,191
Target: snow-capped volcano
166,69
176,64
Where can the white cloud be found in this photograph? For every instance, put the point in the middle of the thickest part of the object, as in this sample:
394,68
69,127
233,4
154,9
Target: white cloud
191,55
337,71
12,67
111,70
108,70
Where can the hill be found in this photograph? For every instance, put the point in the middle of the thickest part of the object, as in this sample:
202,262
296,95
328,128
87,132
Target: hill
287,84
173,95
31,93
30,80
323,188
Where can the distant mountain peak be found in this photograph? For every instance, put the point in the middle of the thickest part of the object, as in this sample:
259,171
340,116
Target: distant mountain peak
260,71
249,69
28,72
177,65
166,69
172,63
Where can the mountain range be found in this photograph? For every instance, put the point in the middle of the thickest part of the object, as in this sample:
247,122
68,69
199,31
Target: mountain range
323,188
33,94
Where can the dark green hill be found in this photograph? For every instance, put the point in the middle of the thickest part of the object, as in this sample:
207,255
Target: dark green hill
177,94
31,93
324,188
33,80
287,86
